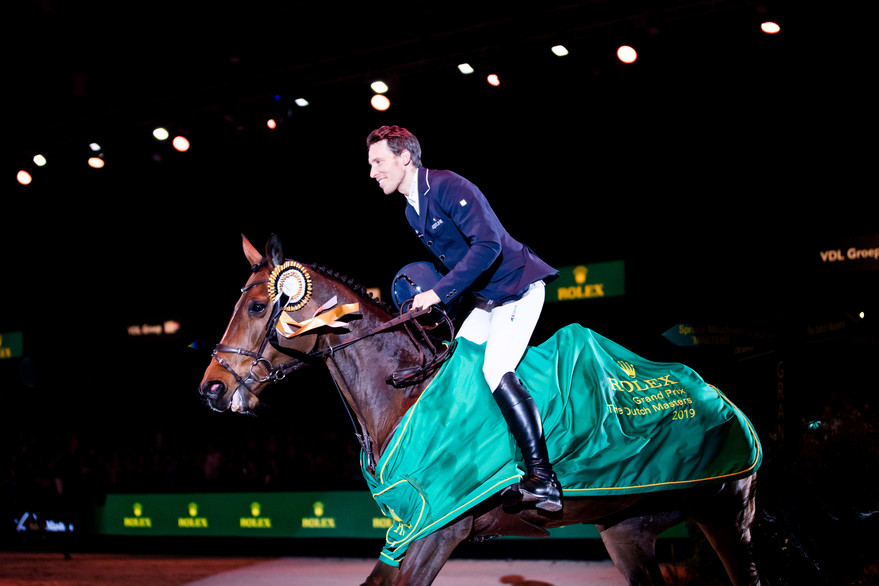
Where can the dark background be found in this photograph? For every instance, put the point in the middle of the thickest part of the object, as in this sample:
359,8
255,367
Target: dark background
717,167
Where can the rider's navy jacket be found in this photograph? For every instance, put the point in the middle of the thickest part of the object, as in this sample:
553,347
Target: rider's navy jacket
460,229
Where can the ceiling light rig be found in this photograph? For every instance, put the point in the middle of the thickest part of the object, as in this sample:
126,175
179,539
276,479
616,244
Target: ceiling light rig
379,101
25,177
96,161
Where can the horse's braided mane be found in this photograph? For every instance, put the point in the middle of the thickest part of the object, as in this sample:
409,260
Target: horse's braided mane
355,286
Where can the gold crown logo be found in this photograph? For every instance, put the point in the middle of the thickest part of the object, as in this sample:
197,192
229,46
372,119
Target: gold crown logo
580,273
627,367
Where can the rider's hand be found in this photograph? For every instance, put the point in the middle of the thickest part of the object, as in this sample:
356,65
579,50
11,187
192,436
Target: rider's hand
425,299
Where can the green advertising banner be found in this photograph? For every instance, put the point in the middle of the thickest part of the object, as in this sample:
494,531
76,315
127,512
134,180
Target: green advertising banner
592,281
10,345
335,514
302,514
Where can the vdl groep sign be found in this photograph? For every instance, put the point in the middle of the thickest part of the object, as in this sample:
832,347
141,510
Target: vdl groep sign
592,281
852,254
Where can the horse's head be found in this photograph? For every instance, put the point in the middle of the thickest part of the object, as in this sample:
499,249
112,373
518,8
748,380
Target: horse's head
290,315
251,354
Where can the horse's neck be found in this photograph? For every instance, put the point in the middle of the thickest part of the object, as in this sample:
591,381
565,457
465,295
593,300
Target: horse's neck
361,371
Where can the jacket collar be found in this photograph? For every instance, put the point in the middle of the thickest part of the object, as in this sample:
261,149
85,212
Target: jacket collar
420,220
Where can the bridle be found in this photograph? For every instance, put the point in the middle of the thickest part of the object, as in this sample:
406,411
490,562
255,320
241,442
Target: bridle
274,373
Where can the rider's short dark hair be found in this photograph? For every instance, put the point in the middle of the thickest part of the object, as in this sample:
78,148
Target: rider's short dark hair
399,139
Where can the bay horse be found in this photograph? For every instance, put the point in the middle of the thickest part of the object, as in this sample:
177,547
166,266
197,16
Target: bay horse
361,359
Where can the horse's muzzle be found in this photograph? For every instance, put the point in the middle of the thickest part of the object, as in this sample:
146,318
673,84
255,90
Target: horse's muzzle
215,394
220,398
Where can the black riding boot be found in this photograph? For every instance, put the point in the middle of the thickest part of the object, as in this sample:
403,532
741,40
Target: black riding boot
540,484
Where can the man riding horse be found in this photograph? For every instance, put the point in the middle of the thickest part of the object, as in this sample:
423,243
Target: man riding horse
453,219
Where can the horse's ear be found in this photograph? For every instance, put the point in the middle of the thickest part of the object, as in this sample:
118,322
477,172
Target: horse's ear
274,251
252,254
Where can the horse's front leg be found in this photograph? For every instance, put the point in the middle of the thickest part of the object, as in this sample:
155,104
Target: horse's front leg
427,556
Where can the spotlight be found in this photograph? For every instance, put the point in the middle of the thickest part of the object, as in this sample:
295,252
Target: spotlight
379,87
770,28
493,79
96,162
380,102
24,177
271,123
465,68
180,143
627,54
559,50
161,133
301,102
39,160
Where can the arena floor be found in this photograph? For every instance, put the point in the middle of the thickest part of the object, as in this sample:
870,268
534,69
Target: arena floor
52,569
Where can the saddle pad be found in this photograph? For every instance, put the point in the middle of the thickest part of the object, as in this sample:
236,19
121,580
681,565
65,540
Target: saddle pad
614,423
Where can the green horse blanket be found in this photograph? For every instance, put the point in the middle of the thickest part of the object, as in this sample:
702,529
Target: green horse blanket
614,423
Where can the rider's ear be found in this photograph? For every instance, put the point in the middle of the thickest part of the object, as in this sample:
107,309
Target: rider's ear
274,252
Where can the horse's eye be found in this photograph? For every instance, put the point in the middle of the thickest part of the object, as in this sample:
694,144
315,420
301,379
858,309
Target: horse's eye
256,308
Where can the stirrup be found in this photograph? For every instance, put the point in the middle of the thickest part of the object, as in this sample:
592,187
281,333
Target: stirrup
546,497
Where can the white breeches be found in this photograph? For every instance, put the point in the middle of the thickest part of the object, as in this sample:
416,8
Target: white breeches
506,331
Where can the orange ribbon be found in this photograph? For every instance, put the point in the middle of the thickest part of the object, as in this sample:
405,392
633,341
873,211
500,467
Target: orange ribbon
324,316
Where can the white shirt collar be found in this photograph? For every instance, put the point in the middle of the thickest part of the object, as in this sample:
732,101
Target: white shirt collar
412,198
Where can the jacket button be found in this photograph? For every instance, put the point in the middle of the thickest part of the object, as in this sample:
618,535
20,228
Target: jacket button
442,257
430,242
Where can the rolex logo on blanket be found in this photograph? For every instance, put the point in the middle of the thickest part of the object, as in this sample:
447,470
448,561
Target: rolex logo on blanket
614,422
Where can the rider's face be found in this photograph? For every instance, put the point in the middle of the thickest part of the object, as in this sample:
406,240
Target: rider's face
389,169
